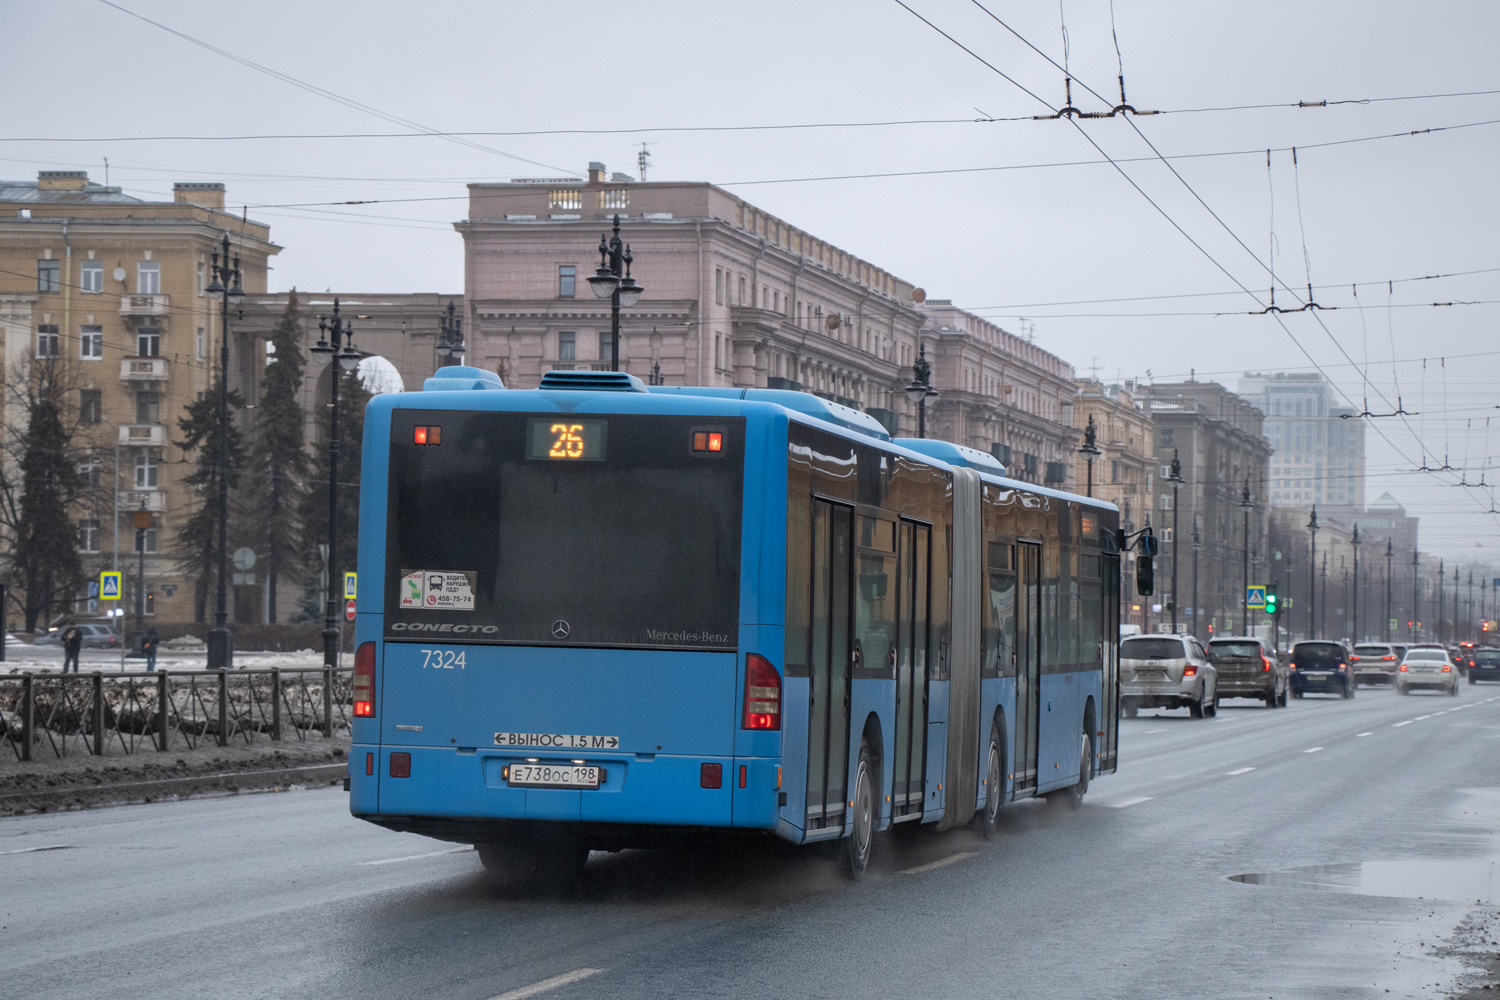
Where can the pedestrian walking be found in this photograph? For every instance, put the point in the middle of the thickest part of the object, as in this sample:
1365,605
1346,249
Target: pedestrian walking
72,642
148,646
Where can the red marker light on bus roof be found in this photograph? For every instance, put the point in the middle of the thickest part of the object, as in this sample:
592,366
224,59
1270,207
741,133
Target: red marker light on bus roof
432,434
710,441
715,441
419,435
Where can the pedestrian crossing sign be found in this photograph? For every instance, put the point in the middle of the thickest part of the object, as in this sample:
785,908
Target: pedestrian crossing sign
349,585
109,586
1255,597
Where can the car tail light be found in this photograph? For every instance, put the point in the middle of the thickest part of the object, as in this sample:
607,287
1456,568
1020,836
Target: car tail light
1267,664
1189,670
1341,666
1447,668
364,681
1291,666
762,694
1387,657
710,775
1403,668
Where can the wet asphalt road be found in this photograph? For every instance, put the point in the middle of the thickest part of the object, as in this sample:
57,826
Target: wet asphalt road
284,895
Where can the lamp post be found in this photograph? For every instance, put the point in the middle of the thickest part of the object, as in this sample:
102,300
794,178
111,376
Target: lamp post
142,523
920,390
1312,576
1197,546
1246,504
1091,451
1176,480
227,289
1323,597
612,280
1355,544
1442,610
1388,553
450,343
333,331
1470,623
1412,630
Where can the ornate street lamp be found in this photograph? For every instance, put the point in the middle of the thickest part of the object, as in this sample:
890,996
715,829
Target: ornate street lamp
1246,504
920,389
1091,451
225,287
1355,543
1197,547
450,343
333,331
1312,576
612,281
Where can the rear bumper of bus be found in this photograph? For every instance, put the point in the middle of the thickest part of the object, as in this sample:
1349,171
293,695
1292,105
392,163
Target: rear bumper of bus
462,794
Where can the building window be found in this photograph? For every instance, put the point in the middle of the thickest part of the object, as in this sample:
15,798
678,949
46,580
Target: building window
199,346
718,286
567,281
1166,437
606,346
145,471
48,275
90,405
91,342
88,535
567,346
149,537
200,285
148,277
147,342
46,340
1114,472
776,301
740,300
91,277
717,355
89,470
148,407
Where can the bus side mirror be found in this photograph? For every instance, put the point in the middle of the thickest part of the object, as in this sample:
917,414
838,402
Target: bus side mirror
1145,576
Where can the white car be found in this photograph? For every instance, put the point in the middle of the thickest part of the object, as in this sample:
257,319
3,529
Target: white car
1427,666
1167,671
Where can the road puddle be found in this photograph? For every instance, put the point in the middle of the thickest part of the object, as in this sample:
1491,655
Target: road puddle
1465,880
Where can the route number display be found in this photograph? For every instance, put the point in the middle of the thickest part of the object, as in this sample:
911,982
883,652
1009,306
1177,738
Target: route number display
566,439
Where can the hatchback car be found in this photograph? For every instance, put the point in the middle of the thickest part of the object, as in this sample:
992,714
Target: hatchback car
1484,664
1167,671
1321,665
1374,663
1246,667
95,636
1427,667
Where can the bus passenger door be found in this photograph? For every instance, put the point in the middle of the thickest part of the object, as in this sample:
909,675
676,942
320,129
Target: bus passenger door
828,707
909,766
1028,664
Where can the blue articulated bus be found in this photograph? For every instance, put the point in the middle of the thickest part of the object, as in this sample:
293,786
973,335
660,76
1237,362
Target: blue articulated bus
597,615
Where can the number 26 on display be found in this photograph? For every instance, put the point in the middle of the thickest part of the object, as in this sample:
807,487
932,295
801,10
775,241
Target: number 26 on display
442,659
568,443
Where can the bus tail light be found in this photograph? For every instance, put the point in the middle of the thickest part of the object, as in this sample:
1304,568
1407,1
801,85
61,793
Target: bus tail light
364,681
762,694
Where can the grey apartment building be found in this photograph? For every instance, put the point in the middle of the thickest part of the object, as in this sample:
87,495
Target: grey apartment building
1319,449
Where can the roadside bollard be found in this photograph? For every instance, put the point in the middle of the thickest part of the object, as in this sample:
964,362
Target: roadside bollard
275,703
28,715
164,739
98,714
327,702
223,708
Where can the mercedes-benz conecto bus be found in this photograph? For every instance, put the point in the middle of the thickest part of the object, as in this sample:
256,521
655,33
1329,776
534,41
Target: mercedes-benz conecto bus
596,616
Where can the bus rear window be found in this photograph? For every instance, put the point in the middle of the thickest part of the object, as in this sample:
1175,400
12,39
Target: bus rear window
491,538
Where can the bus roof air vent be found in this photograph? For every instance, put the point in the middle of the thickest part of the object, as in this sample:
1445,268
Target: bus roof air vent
592,381
955,454
462,377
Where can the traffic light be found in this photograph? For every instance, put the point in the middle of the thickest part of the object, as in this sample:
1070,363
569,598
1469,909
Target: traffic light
1270,602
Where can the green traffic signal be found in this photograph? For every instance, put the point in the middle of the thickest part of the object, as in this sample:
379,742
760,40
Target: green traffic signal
1270,603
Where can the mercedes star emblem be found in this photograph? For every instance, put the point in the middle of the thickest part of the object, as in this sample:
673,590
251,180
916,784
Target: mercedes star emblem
560,629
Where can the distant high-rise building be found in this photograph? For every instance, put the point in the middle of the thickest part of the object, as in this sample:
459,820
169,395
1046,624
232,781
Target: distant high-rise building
1319,451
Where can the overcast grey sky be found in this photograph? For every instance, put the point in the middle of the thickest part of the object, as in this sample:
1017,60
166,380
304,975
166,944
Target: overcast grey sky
1040,241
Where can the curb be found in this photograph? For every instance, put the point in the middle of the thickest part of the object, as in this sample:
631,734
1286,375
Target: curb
128,792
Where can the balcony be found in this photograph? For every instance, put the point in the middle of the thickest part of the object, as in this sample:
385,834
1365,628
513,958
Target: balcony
143,369
156,500
144,305
143,435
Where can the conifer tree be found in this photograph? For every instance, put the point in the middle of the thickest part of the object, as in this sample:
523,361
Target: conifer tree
279,459
198,538
352,399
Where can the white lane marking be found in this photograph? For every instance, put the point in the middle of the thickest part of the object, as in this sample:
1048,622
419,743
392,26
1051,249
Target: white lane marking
1312,749
416,857
1357,735
1243,770
940,862
32,850
1130,802
1150,731
1400,724
546,984
1421,717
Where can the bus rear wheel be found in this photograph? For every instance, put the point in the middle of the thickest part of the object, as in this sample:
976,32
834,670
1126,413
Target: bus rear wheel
994,788
534,863
857,846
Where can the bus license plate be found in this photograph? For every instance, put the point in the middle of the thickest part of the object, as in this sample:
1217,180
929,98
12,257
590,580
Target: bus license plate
553,776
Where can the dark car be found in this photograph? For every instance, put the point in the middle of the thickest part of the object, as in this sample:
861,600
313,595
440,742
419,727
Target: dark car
1484,664
1247,668
95,636
1321,665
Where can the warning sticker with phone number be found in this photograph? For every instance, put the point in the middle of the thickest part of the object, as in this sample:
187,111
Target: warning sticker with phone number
437,590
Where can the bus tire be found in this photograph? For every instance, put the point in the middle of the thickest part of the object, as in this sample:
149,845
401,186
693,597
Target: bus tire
1074,793
857,846
533,863
994,787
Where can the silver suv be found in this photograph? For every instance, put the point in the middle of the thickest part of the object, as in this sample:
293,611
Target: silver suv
1374,663
1167,671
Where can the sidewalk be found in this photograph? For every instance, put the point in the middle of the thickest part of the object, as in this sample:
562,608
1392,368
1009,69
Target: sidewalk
21,657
